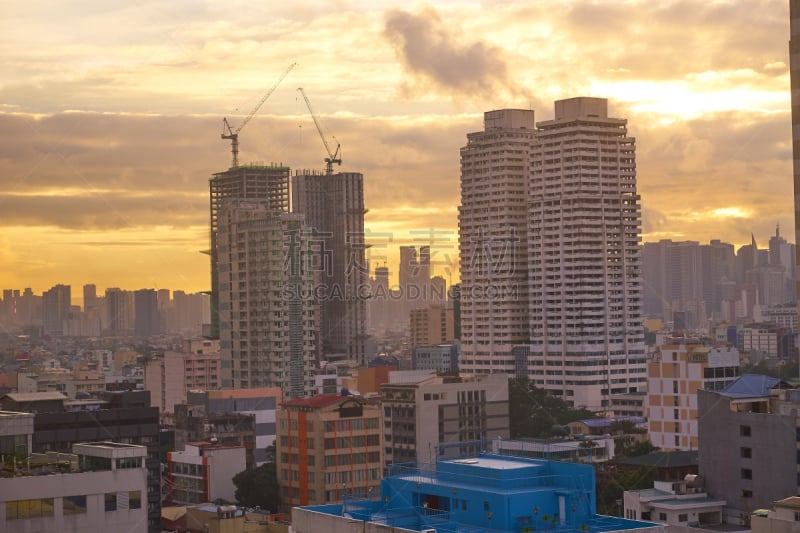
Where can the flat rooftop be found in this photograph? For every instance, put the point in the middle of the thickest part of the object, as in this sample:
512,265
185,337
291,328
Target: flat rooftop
495,462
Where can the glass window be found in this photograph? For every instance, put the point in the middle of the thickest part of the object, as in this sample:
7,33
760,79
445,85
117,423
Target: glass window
74,505
111,501
135,499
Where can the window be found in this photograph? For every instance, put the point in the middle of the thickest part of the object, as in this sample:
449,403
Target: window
744,431
110,501
21,509
797,516
662,517
683,518
746,473
745,453
129,462
74,505
747,493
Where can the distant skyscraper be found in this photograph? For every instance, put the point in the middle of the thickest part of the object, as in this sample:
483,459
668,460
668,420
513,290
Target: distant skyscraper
333,206
269,184
119,311
55,308
89,296
268,316
566,310
379,305
673,281
146,320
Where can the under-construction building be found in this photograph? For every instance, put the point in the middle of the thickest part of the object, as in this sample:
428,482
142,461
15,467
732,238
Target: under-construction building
267,183
333,206
267,311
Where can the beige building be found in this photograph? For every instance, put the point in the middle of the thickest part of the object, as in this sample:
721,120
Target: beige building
427,417
784,517
680,367
431,325
171,376
328,446
74,384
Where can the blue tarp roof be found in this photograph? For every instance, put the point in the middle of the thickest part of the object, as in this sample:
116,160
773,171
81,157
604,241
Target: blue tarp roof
750,386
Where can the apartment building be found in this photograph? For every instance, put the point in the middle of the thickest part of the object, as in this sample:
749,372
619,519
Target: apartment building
329,447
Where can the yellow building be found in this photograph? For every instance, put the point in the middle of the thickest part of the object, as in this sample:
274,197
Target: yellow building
679,368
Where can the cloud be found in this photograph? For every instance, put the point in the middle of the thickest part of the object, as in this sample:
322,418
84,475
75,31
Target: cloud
432,52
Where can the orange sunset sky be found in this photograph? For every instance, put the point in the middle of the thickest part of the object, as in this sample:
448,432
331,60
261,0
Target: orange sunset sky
111,114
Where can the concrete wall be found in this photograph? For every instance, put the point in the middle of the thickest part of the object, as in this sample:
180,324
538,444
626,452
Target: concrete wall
773,461
306,521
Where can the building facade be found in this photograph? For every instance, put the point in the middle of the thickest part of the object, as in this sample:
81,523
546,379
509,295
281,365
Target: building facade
428,416
267,310
99,486
329,447
550,230
265,183
680,367
748,444
203,472
333,205
493,231
432,324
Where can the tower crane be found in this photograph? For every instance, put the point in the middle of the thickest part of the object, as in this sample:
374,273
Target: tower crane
333,157
229,133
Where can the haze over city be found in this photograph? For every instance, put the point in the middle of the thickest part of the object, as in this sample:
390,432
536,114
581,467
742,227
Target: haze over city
108,144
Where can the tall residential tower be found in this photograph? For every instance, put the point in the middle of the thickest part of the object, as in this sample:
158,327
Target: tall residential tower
550,267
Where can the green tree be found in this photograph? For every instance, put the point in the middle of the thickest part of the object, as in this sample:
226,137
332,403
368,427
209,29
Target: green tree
259,486
535,413
611,491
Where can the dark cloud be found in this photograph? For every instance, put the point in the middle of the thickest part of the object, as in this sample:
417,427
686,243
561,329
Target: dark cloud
431,51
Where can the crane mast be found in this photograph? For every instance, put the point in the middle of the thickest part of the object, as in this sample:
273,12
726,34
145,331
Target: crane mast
229,133
333,157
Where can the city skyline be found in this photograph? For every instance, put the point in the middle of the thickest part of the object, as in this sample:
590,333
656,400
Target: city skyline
109,144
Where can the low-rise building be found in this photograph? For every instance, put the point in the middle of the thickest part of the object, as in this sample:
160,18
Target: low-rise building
593,449
678,503
784,517
203,472
427,416
100,486
485,492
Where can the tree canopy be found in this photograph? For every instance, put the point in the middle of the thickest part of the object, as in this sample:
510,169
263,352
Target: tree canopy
535,413
258,487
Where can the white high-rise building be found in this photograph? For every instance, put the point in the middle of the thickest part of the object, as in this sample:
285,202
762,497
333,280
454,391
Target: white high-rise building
267,313
575,327
493,225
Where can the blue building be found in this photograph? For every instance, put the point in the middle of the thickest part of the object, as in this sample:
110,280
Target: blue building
483,494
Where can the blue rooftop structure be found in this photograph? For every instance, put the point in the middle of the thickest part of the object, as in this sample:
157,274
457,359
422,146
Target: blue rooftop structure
482,494
750,386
